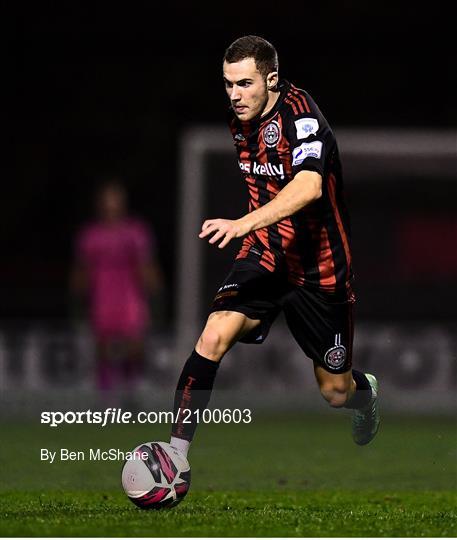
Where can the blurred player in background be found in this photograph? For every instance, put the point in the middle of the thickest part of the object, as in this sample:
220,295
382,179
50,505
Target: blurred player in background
295,255
116,271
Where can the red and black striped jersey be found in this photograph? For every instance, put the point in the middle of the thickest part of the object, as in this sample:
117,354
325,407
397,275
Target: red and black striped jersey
313,245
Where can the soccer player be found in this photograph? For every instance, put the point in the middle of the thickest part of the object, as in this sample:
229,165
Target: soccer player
295,255
117,270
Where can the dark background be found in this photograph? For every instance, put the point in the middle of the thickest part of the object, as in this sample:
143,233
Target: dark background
99,90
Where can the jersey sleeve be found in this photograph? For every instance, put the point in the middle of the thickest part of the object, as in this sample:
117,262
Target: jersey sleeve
310,140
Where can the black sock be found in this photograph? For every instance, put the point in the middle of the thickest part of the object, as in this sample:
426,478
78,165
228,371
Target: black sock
192,394
362,394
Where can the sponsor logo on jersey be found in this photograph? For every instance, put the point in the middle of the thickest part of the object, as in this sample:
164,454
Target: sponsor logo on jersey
306,150
271,134
239,137
266,169
306,127
334,358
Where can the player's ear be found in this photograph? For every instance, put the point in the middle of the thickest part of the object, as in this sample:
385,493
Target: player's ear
272,80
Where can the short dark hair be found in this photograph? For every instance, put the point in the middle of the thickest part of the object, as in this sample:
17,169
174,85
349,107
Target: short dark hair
109,183
263,53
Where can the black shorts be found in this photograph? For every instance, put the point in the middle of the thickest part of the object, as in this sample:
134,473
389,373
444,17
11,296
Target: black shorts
321,322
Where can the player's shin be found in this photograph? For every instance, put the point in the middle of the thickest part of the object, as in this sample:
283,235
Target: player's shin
362,395
192,395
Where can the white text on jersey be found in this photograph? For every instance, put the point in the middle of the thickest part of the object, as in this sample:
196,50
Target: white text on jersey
267,169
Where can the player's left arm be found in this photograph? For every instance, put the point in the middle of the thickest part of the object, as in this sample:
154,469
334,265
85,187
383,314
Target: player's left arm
303,189
149,268
151,276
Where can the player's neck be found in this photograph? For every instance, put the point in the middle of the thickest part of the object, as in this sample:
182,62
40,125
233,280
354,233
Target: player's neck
272,99
112,221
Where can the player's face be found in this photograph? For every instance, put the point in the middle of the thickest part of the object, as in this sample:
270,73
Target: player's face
111,204
246,88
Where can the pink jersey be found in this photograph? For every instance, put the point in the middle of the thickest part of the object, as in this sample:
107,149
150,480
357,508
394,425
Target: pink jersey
112,255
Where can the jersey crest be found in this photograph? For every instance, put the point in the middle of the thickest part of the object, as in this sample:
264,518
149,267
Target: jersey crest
272,134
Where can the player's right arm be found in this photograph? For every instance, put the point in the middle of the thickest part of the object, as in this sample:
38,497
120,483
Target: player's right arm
303,189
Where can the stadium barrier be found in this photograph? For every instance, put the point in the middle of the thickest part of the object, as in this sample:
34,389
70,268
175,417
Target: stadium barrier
415,365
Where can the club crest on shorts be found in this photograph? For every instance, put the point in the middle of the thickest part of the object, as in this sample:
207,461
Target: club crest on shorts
271,134
334,358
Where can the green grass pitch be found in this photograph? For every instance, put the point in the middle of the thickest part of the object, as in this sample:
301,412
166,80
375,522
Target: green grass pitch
282,475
